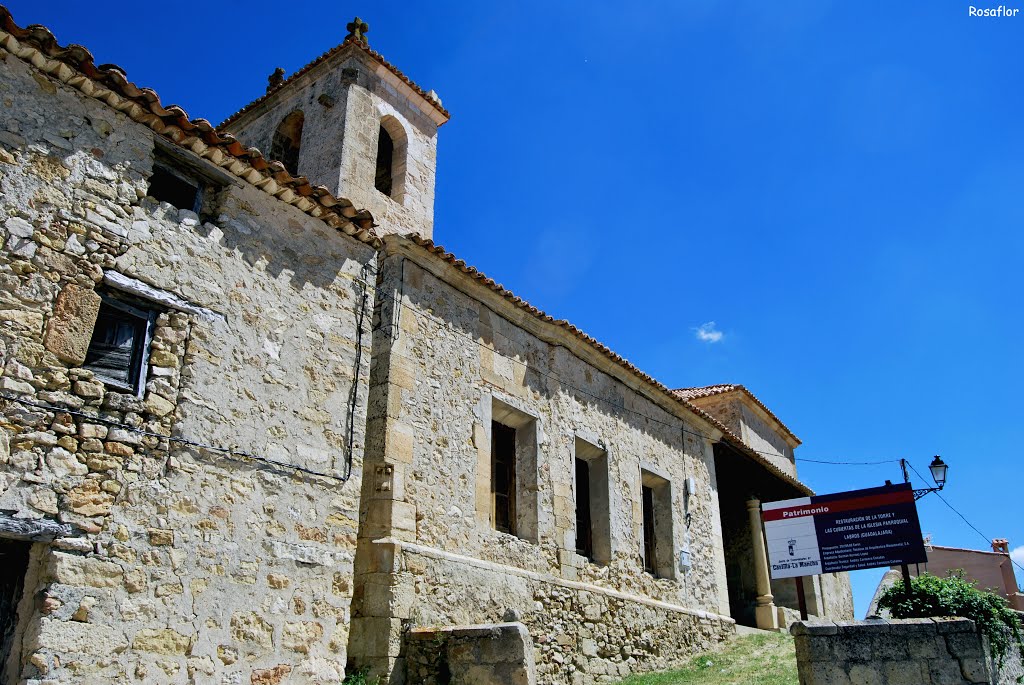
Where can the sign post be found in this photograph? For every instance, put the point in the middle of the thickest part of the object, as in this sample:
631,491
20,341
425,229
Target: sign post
845,531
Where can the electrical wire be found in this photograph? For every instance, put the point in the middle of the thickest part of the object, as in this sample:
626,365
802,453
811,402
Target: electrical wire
843,463
962,517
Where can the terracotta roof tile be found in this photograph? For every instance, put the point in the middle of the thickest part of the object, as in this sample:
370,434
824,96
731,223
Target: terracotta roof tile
362,45
674,396
73,65
710,390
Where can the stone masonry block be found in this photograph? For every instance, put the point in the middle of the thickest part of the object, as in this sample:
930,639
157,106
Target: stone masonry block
803,628
386,595
378,557
70,569
70,328
853,647
905,673
373,636
864,628
965,645
926,646
945,626
867,674
976,670
944,670
390,518
891,647
823,673
400,443
814,648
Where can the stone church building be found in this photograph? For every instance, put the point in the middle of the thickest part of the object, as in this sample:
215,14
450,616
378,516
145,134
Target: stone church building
257,427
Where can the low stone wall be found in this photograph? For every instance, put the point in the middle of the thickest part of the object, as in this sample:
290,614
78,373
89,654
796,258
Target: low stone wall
581,633
495,654
900,652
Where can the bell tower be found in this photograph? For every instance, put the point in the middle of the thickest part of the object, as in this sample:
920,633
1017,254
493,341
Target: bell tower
352,122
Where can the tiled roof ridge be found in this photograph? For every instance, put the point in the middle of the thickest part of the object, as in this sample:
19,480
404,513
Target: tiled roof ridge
965,549
440,252
74,66
722,388
362,45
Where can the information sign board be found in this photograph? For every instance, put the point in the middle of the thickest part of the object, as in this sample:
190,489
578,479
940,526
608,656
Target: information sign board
844,531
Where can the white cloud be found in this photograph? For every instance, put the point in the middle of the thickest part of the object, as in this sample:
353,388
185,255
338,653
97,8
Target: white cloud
1017,554
707,332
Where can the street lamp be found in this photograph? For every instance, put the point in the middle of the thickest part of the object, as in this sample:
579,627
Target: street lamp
938,469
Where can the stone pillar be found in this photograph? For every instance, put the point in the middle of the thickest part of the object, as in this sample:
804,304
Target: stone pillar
765,611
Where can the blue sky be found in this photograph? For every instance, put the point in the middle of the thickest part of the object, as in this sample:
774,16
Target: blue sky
836,185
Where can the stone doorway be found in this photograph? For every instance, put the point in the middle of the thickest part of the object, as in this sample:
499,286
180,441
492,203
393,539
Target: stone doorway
14,559
739,479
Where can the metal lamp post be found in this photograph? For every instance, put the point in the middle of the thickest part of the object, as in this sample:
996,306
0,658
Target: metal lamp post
938,469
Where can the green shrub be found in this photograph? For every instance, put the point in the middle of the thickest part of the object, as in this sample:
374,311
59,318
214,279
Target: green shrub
359,677
931,596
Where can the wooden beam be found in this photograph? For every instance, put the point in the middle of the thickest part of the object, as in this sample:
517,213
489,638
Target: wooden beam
34,530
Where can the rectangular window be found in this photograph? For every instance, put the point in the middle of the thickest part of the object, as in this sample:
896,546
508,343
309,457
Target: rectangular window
649,541
171,186
119,349
511,470
656,526
503,476
584,525
593,510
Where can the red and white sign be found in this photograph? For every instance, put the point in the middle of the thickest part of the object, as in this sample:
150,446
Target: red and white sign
844,531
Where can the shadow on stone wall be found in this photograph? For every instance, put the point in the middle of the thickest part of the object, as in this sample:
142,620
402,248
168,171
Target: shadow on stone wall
470,655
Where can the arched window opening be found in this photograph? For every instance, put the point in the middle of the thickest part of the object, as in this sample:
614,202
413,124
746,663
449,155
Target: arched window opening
392,148
287,140
384,180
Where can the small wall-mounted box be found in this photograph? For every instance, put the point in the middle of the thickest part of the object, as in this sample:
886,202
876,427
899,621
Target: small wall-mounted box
684,560
690,485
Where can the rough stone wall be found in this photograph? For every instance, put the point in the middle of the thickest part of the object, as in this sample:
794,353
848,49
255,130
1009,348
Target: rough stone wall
582,632
495,654
759,435
339,142
445,363
899,652
189,564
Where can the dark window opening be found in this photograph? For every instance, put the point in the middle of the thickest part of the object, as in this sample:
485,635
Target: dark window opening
503,476
168,186
13,565
287,141
119,347
649,537
385,161
584,526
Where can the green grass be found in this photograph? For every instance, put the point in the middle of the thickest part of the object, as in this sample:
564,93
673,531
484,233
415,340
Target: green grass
747,660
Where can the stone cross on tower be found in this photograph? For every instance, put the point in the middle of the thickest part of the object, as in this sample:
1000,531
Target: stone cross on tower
357,29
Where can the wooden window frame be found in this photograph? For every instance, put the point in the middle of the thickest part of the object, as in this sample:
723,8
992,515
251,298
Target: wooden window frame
138,365
503,463
169,169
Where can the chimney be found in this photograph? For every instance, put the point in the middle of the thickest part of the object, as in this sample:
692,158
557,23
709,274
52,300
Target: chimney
1001,546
